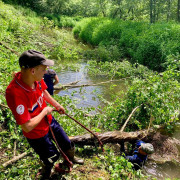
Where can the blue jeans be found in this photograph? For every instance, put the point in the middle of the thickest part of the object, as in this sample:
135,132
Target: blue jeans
46,149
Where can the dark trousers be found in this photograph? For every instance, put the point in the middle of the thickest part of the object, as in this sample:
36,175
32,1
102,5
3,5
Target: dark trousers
46,149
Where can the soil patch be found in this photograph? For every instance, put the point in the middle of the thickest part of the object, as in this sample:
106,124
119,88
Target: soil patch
166,148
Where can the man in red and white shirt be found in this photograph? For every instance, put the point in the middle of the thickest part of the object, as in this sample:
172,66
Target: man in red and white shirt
26,96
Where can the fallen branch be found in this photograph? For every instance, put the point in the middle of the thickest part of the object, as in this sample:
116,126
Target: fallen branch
122,129
14,159
12,50
14,148
83,85
111,137
166,148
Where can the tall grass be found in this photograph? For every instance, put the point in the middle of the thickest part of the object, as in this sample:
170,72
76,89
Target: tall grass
63,21
147,44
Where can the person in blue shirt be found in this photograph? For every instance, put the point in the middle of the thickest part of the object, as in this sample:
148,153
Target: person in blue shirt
139,156
51,79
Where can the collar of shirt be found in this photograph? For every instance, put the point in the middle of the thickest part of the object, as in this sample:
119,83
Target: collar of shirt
18,79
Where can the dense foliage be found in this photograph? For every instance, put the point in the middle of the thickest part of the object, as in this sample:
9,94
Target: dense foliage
148,10
140,42
22,29
156,46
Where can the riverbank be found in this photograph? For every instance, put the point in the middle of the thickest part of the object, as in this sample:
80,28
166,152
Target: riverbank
166,146
20,32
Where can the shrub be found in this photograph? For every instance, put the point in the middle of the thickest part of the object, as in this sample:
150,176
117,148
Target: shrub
140,42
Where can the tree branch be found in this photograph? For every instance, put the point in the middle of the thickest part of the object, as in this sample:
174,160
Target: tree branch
70,85
122,129
14,159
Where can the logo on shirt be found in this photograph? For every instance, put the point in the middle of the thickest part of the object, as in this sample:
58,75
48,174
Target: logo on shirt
40,101
20,109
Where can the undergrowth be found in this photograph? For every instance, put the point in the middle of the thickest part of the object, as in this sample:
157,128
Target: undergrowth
22,29
156,94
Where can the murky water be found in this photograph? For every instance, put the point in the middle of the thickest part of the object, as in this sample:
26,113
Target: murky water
167,170
162,171
89,97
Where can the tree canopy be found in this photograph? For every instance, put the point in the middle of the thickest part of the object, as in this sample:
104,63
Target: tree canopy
148,10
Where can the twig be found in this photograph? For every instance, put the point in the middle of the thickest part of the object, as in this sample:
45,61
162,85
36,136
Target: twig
14,148
4,106
14,159
122,129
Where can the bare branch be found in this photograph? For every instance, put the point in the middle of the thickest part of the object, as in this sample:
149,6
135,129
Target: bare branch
14,159
83,85
122,129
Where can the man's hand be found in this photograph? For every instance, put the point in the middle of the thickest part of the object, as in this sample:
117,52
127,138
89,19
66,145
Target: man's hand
48,110
60,109
53,102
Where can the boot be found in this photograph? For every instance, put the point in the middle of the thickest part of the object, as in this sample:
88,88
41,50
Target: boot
45,172
71,152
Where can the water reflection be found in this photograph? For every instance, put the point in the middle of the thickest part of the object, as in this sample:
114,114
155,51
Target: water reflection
162,171
89,96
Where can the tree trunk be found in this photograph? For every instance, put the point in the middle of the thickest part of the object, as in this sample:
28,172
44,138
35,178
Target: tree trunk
178,11
151,11
168,9
154,8
110,137
167,149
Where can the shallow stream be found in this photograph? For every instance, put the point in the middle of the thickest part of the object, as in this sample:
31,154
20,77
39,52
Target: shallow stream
167,170
89,96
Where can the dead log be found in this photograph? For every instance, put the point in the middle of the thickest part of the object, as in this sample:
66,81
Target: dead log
166,148
111,137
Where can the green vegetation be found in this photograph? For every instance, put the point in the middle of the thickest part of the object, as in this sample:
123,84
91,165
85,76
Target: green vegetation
145,55
158,95
144,10
140,42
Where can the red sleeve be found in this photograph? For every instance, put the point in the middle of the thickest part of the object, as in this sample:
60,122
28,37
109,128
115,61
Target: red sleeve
43,85
18,106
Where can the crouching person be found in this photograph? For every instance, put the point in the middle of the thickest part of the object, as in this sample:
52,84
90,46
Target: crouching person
139,156
26,96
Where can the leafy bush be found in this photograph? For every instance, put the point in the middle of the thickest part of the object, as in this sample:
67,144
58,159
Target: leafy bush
158,98
173,67
142,43
118,166
63,21
117,70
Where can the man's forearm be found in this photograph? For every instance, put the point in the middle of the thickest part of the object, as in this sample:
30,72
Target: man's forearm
32,123
50,99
